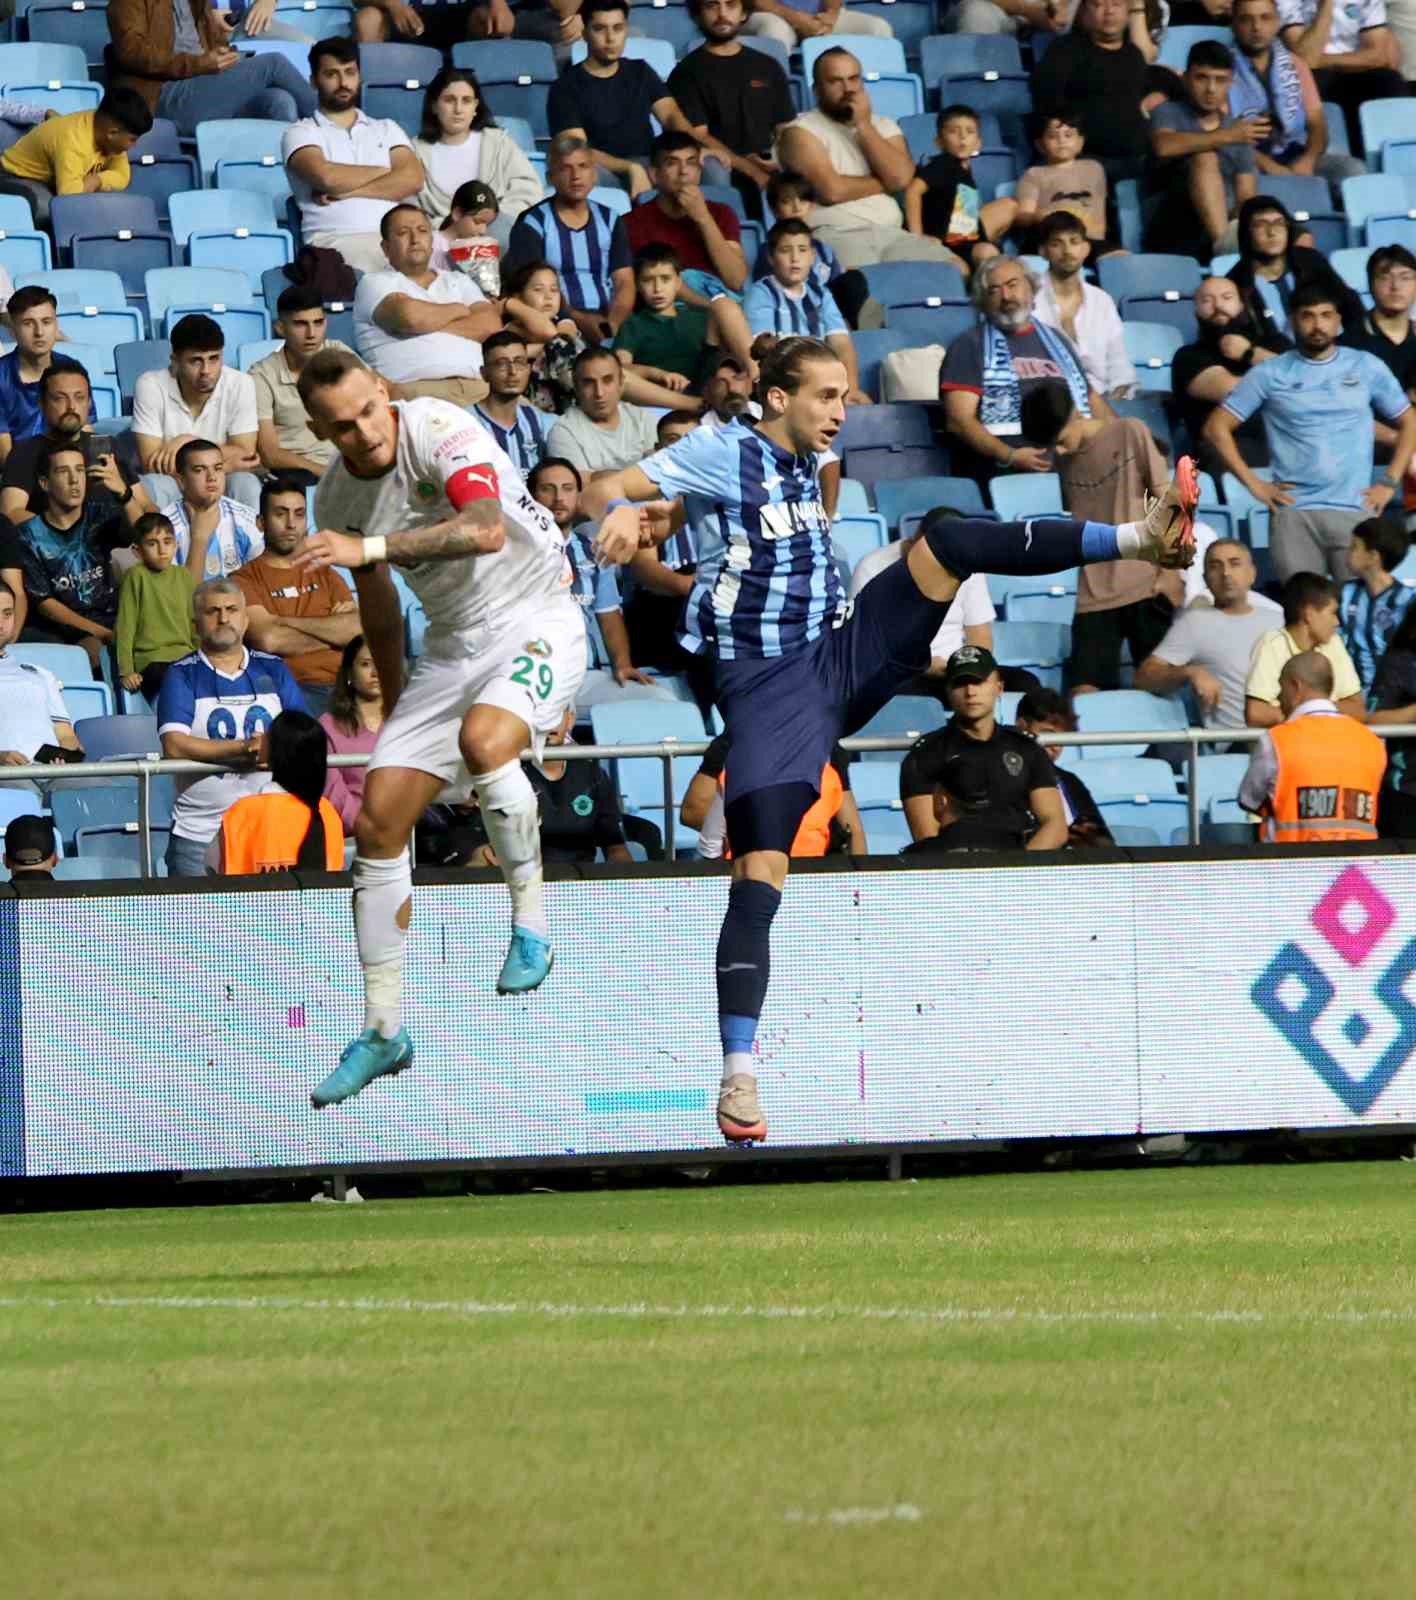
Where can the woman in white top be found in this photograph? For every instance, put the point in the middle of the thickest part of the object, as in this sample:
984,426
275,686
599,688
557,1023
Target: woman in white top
459,139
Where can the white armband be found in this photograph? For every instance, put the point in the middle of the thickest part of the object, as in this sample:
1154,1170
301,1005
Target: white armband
375,549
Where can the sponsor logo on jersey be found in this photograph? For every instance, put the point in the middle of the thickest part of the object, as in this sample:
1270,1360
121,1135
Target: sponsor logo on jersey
537,647
582,805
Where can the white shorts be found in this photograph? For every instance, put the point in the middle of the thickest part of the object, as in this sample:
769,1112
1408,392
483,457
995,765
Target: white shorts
533,671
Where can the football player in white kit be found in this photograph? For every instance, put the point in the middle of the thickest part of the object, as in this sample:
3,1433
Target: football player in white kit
423,485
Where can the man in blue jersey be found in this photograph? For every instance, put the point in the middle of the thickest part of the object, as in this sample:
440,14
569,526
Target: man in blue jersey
583,240
798,666
520,429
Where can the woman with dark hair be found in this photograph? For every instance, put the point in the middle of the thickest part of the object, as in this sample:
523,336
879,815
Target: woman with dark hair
459,140
1395,686
291,824
351,726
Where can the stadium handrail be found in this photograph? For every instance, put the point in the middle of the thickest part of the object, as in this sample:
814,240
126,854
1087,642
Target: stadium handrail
666,751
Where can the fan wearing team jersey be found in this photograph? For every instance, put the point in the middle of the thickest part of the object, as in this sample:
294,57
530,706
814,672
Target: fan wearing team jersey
797,666
520,429
422,485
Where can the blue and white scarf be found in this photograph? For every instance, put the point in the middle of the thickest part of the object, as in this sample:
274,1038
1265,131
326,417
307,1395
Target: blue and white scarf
1281,98
1001,404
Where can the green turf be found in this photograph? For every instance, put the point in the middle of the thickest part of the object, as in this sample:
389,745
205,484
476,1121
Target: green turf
1251,1437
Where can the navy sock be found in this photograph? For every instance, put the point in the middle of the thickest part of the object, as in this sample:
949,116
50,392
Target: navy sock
1039,545
744,962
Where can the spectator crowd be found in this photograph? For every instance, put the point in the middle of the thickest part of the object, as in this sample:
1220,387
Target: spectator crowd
1121,232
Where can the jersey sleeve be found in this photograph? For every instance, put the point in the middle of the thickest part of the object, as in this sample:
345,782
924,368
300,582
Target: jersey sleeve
1345,682
54,698
292,696
1245,398
759,309
176,703
702,463
1041,773
962,367
917,770
1388,397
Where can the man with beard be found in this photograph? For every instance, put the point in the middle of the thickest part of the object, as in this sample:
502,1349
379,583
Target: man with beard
988,373
734,98
1317,403
1271,81
1272,268
305,615
1203,373
346,170
1086,314
520,429
856,163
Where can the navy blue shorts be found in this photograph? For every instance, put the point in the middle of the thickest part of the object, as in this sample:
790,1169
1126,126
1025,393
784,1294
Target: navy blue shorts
783,714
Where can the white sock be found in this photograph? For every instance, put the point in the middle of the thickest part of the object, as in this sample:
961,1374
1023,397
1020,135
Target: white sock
383,904
513,824
738,1063
1130,537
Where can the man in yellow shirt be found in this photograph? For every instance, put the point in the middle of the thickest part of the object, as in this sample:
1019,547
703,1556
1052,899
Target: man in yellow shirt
85,152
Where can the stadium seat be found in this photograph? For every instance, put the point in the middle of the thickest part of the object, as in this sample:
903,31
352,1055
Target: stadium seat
40,62
114,215
18,803
875,788
1175,43
80,24
236,139
1150,409
518,129
1041,647
265,176
907,716
62,98
1040,605
949,54
1007,95
1124,711
890,461
895,94
672,24
920,131
895,500
395,78
920,325
616,199
852,499
515,74
87,309
876,54
855,536
224,294
641,779
105,738
1111,776
122,842
131,255
255,350
92,699
1309,201
1218,778
67,662
1351,266
1026,494
321,19
1383,121
231,228
92,802
1151,347
1376,194
916,283
159,177
659,53
1150,281
96,869
1002,585
872,345
883,426
132,360
1162,815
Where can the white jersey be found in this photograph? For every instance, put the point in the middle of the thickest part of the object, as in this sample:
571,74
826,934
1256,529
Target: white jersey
445,459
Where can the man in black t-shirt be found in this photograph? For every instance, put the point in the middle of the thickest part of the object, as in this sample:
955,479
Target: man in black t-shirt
1203,373
1387,331
608,99
997,777
1097,76
734,97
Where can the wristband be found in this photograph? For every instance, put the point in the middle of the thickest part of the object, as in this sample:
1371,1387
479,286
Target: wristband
375,549
127,496
1385,479
614,505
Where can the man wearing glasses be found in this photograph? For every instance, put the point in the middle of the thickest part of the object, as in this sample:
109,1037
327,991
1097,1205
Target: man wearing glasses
1386,331
520,429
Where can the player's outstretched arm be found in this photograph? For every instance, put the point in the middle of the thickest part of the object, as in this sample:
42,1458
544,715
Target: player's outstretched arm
476,530
626,527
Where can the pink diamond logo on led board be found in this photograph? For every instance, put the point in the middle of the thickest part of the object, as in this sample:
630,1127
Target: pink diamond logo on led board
1331,916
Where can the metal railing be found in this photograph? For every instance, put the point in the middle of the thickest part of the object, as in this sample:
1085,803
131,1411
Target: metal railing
664,751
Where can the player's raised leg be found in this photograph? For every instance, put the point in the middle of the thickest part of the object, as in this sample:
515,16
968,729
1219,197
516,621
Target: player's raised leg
394,799
491,742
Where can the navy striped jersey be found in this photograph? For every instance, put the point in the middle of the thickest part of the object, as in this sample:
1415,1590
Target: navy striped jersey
584,257
766,583
770,307
524,441
596,590
1368,623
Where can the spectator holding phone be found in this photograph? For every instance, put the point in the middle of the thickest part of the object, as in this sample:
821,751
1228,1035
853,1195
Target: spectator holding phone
154,609
65,405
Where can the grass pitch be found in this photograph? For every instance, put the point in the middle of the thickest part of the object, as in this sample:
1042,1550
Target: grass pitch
1186,1382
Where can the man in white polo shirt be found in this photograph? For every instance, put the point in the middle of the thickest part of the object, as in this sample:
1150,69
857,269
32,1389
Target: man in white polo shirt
347,169
32,709
422,329
197,397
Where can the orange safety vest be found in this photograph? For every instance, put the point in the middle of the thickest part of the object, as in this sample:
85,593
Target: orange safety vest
813,837
1329,772
263,833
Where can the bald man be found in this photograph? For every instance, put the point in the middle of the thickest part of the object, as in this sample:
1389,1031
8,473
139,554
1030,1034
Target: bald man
1314,778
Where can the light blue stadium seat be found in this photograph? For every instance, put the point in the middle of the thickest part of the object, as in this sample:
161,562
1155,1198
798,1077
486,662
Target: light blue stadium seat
1383,121
854,537
95,359
948,55
74,289
1376,194
95,869
24,250
1132,838
67,662
218,211
616,199
235,139
1150,409
82,24
395,77
105,738
122,842
18,803
916,283
911,21
1164,815
1151,347
1017,495
895,94
673,24
875,787
852,499
265,176
1351,266
1149,278
159,177
641,779
117,215
917,326
1041,647
659,53
896,499
132,360
1219,777
872,345
56,95
257,350
92,699
1002,585
884,427
519,130
90,802
907,716
1040,605
319,18
1121,711
194,286
1115,777
515,74
1176,42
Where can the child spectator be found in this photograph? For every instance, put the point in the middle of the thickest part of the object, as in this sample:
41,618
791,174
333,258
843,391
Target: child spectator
663,341
463,241
154,609
792,199
943,201
351,725
85,152
1064,182
537,285
1373,603
790,302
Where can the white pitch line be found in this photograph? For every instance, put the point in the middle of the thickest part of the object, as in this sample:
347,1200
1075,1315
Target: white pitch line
954,1316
